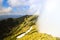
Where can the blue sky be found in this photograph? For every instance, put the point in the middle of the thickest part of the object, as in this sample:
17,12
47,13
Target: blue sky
21,6
5,3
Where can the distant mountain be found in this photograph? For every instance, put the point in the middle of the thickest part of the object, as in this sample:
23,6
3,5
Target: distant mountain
2,17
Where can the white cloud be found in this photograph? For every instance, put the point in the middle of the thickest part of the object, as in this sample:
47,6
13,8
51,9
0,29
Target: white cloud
49,20
1,1
23,2
34,5
5,10
13,3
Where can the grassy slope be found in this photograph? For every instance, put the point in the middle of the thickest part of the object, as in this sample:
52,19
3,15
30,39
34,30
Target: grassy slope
7,24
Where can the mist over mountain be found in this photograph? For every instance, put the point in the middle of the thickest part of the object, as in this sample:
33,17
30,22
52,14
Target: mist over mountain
2,17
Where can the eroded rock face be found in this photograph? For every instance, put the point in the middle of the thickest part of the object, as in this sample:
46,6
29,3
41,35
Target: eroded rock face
49,20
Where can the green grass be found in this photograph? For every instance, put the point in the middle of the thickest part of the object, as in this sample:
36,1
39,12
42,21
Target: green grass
57,38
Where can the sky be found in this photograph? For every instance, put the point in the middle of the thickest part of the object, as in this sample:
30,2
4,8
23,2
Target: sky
22,7
5,3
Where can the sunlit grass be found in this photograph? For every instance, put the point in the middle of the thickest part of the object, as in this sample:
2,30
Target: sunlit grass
32,35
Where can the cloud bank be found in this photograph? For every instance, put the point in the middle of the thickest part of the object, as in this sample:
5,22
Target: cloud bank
26,7
4,10
34,5
49,20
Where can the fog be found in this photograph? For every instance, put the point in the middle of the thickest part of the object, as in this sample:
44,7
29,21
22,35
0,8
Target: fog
49,19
